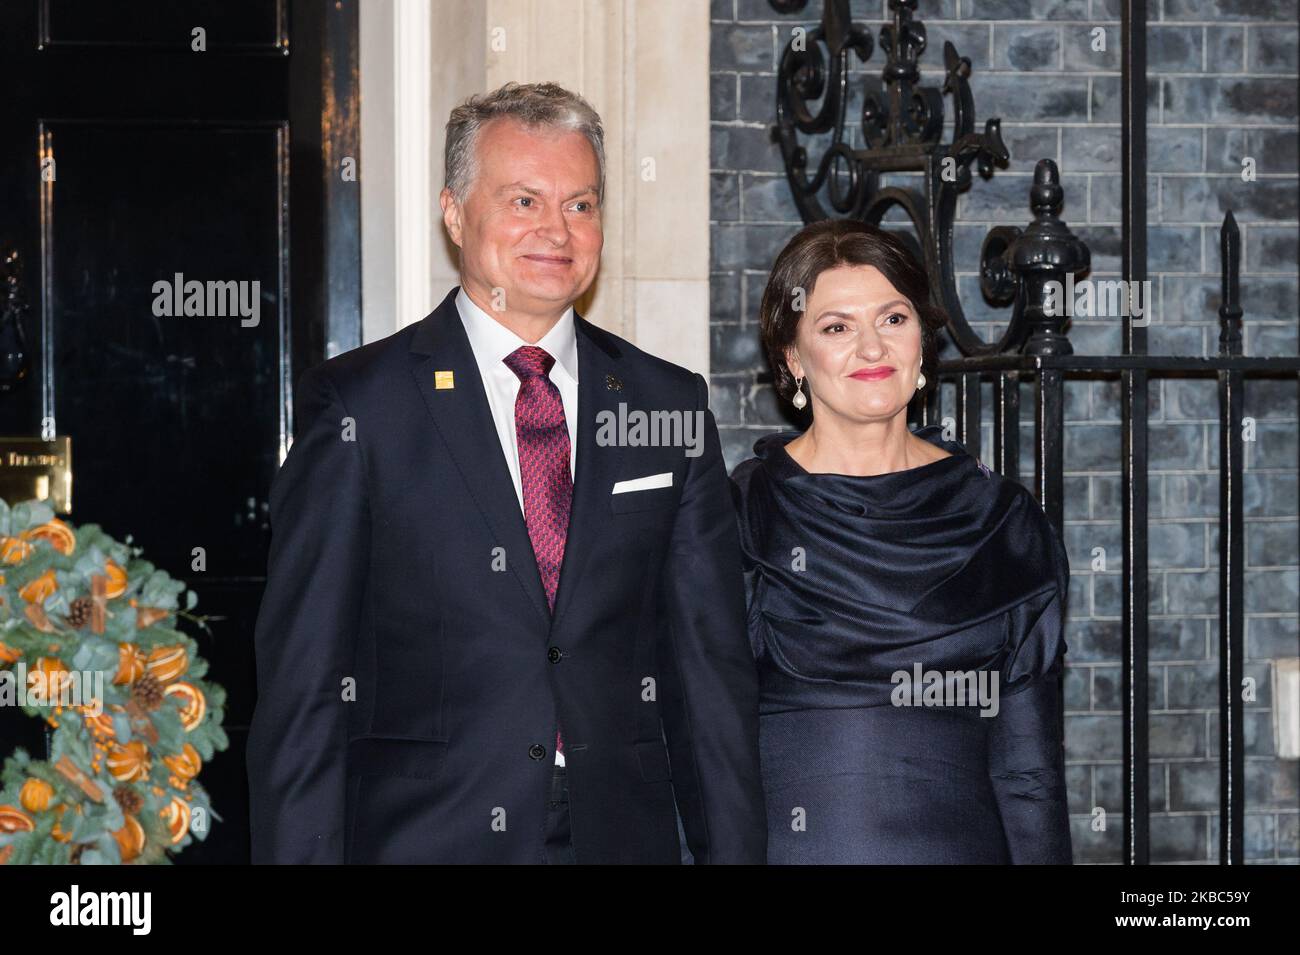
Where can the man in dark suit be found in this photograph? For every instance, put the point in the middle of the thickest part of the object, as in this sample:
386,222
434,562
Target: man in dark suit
504,619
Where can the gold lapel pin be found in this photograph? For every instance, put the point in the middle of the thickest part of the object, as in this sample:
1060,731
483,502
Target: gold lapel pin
613,384
444,379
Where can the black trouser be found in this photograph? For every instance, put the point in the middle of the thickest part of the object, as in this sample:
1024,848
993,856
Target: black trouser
559,843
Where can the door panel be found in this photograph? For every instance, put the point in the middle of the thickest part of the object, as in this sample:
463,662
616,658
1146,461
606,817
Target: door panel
230,26
186,411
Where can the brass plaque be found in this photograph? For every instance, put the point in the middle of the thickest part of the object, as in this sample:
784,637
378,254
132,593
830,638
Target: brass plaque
32,468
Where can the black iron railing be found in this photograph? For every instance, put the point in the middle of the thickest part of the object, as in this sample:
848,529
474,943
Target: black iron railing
902,126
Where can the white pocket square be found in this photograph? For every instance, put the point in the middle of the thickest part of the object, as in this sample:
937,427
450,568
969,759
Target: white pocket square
645,483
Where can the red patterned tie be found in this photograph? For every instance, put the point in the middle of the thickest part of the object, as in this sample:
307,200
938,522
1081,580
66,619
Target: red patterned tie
543,438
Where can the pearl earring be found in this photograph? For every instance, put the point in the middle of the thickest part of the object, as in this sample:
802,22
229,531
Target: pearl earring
799,400
920,381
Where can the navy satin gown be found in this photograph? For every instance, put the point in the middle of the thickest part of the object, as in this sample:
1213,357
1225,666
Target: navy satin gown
852,581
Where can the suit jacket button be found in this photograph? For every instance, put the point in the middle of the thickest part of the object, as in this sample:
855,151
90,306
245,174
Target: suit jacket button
554,654
537,751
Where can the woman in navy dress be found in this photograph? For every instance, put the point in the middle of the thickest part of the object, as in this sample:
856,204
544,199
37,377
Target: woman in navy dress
906,604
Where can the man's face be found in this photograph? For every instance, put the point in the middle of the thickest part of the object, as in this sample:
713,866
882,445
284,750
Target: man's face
529,231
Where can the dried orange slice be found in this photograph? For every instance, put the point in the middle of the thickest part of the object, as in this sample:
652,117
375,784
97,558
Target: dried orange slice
35,795
116,585
193,704
35,591
14,550
168,663
130,761
13,819
130,839
185,764
59,535
130,664
177,816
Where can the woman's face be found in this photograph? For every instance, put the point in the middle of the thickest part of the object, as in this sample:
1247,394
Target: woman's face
858,345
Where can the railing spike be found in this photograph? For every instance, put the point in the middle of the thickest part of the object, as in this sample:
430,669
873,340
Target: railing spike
1230,341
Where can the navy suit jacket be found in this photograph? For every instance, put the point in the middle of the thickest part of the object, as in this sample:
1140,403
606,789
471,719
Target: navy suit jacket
410,676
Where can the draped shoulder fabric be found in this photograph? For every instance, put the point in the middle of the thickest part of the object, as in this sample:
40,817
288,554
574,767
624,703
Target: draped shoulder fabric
854,581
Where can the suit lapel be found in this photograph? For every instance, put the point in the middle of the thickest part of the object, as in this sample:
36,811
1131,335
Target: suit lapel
464,420
589,515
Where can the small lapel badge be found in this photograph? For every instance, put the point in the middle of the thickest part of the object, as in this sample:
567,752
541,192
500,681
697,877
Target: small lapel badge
613,384
444,379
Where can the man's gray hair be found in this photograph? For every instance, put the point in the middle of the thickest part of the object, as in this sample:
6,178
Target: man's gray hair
535,105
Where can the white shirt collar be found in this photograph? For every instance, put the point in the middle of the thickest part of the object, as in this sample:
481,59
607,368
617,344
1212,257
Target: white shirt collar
491,341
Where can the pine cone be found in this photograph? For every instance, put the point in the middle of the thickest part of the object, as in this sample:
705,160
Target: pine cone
130,800
79,615
148,692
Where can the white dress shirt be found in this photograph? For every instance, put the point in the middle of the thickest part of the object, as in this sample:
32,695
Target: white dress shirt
491,342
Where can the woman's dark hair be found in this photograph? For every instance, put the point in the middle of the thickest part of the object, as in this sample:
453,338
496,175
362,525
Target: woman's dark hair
829,244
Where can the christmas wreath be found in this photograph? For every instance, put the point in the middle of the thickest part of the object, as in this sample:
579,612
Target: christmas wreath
88,643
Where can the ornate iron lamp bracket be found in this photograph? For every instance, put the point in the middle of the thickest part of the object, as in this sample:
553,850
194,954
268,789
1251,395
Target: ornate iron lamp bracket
902,125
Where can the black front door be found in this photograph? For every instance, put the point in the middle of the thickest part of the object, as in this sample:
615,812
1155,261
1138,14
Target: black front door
147,146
